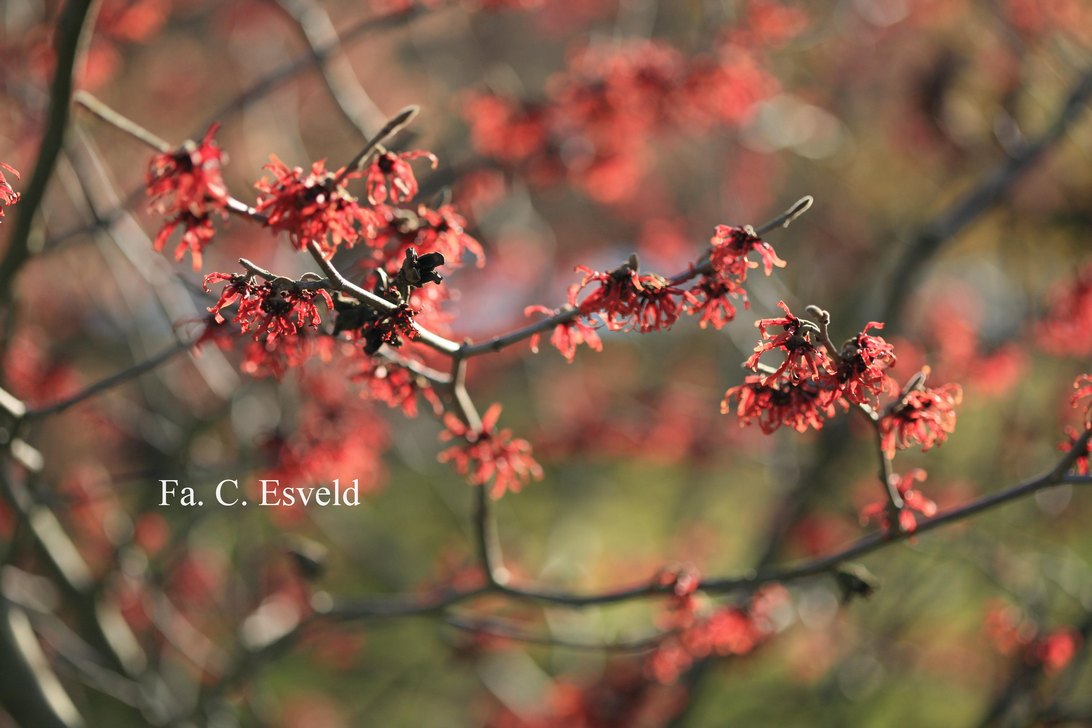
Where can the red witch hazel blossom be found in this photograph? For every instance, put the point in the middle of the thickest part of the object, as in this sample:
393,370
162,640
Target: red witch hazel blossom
187,185
804,359
489,454
698,632
924,416
628,300
567,335
391,176
778,403
272,309
8,196
861,372
312,207
914,502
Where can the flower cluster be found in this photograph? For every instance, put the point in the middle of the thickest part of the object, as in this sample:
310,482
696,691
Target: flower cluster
313,207
923,416
272,309
860,374
488,454
8,196
394,385
186,184
390,175
697,632
913,499
804,357
598,124
780,403
627,300
729,263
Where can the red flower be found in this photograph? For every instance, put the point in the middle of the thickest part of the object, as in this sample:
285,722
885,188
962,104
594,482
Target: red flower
728,630
804,359
196,236
442,231
730,247
392,171
187,185
710,298
913,501
394,385
188,179
924,416
860,375
311,208
567,335
490,454
389,328
798,406
628,300
273,309
8,196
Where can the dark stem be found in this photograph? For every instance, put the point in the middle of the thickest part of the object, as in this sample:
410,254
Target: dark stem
70,29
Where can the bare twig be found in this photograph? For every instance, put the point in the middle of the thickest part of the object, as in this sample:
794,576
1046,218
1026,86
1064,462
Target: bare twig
111,381
124,123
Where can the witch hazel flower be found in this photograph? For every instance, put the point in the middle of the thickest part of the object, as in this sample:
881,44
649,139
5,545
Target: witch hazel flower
187,185
273,309
731,247
923,416
488,454
1083,385
860,374
628,300
778,403
804,358
567,335
914,502
312,207
390,176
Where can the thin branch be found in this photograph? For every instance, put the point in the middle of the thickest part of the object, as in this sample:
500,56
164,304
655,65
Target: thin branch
341,283
396,124
111,381
517,633
123,123
318,31
315,55
67,44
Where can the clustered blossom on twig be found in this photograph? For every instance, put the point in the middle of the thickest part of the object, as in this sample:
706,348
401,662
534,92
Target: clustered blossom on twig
186,185
487,454
627,300
695,630
312,207
913,499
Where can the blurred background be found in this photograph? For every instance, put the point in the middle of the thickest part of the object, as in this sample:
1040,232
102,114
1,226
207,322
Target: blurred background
948,149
